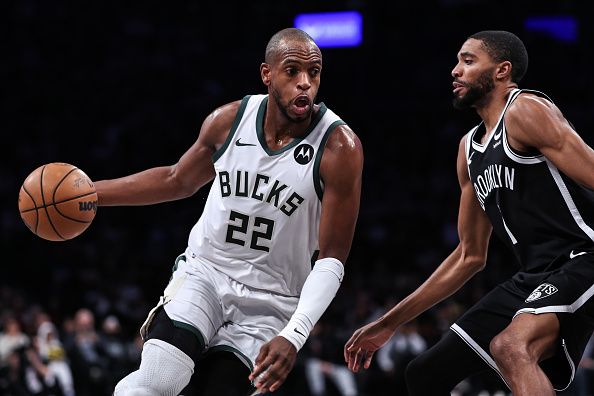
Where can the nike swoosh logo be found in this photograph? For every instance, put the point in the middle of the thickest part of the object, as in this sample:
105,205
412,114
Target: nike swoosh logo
298,332
470,157
239,144
497,136
572,255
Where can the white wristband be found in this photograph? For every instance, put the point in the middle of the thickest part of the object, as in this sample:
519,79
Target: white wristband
317,293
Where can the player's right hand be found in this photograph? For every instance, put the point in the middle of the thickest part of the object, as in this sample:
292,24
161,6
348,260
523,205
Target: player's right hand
273,364
364,342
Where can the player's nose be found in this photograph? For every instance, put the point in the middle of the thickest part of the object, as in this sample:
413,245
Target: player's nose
304,83
456,71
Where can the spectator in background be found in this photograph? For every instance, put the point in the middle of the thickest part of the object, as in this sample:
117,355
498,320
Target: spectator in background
115,350
12,338
13,342
134,351
53,355
393,357
43,379
12,375
324,362
87,358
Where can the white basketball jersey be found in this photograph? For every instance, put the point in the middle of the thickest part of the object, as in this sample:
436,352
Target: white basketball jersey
261,220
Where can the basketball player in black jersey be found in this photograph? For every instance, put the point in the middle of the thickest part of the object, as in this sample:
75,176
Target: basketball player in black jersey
526,174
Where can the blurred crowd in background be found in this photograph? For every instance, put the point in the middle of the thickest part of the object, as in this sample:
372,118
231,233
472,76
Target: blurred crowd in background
115,88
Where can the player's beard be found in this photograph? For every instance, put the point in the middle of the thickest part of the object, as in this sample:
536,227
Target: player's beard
283,108
475,92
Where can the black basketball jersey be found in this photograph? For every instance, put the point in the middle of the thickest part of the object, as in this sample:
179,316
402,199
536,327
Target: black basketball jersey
539,212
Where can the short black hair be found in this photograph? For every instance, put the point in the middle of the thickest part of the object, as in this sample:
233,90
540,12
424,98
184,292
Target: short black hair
286,34
505,46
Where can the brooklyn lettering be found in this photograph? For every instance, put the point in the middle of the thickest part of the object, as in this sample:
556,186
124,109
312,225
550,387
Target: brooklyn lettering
261,188
495,176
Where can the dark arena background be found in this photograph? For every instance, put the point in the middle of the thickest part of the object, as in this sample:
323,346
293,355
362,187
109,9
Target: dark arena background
117,87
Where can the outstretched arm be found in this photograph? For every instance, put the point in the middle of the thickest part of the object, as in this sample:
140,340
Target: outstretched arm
341,171
466,260
167,183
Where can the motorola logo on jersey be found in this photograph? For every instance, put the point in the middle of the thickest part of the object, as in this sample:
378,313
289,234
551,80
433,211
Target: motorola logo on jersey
303,153
542,291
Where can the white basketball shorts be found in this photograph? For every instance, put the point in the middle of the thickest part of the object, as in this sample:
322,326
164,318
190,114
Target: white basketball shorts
224,314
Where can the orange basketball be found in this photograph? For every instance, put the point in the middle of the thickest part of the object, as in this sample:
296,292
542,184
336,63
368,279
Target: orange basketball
57,201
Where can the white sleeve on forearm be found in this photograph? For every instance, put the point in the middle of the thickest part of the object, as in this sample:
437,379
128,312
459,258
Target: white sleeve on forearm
317,293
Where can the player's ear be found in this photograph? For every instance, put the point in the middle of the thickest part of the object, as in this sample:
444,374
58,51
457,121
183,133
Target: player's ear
503,70
265,73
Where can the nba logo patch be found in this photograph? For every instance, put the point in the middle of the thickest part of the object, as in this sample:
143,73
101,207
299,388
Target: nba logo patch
542,291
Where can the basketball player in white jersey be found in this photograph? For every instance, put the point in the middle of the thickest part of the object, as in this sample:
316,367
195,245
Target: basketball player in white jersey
527,175
267,255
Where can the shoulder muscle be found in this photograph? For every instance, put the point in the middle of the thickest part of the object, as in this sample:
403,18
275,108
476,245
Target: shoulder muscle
534,122
217,125
343,154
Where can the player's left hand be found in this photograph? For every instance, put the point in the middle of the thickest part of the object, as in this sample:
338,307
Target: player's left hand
365,341
273,364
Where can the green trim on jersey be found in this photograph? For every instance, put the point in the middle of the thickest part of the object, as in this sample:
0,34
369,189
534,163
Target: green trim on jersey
296,141
227,348
181,257
191,329
217,154
316,171
314,257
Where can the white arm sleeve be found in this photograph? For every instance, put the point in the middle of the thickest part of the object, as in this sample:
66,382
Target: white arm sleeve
318,291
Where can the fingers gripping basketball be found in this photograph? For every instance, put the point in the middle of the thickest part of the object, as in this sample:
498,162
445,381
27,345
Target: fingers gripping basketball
57,201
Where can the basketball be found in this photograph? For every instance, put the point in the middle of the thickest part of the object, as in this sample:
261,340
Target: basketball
57,201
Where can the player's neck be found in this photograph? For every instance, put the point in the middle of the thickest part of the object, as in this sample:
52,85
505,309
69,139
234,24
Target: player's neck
280,131
281,135
494,103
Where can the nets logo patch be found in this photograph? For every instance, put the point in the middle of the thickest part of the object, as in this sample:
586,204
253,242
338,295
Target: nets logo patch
542,291
303,153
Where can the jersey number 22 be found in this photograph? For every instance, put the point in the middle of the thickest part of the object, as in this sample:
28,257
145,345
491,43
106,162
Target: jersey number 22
239,224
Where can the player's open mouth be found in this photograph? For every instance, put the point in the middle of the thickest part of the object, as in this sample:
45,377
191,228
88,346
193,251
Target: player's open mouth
301,104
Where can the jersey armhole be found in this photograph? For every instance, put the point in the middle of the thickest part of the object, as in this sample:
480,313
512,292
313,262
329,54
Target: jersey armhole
242,106
317,180
467,147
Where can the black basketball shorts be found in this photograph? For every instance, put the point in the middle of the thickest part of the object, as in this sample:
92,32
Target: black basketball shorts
566,291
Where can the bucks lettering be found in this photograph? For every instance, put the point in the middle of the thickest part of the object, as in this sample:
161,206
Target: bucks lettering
495,176
261,188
